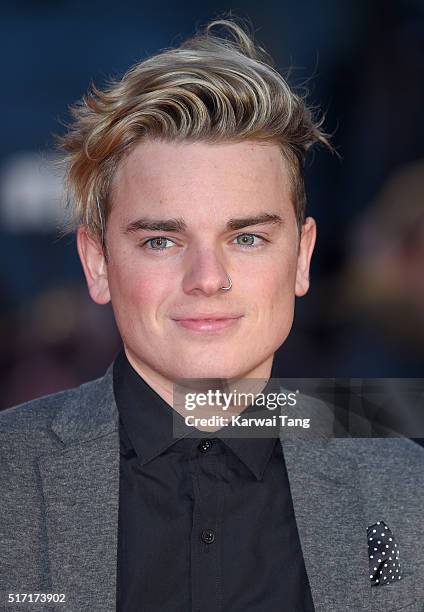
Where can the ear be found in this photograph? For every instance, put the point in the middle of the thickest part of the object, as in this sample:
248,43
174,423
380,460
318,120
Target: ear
306,247
94,265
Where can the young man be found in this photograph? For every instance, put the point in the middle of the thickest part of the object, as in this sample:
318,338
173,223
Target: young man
188,195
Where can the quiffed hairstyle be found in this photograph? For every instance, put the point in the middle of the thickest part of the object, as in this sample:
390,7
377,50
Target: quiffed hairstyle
211,89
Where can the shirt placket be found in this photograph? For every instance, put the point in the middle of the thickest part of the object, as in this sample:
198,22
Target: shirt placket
206,567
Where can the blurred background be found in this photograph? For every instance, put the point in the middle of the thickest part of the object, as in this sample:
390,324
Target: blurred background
364,314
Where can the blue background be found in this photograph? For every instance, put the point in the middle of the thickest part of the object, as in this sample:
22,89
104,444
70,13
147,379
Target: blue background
365,62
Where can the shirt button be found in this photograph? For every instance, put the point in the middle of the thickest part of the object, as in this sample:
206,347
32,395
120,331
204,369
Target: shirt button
208,536
204,446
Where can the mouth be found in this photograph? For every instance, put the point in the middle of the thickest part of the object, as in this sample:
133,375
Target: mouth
208,325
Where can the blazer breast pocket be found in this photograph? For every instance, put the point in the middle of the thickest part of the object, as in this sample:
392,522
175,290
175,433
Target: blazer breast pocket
398,597
414,607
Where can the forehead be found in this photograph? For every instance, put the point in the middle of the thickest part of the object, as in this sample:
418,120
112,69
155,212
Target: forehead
191,178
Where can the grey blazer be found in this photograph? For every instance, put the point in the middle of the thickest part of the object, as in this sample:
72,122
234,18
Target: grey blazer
59,485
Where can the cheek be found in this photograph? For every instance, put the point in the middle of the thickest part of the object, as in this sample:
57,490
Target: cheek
137,293
279,294
281,279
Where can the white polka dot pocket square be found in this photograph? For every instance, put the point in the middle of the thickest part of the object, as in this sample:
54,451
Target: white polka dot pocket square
383,553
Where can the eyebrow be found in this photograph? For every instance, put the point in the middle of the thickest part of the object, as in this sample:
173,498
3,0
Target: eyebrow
179,225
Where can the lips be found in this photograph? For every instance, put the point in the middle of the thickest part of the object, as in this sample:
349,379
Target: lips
207,316
209,323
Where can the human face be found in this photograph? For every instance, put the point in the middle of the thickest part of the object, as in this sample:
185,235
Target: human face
157,277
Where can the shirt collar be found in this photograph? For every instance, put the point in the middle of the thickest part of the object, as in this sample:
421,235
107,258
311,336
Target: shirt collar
255,452
146,418
148,426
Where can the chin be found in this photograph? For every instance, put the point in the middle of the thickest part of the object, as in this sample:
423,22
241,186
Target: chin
210,371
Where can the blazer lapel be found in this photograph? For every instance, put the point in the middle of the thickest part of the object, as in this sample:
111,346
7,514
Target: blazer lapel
330,518
81,494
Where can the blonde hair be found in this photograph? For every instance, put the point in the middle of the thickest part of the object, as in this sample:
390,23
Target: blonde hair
211,89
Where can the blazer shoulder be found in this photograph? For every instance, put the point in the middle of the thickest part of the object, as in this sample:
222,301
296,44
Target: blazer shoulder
387,461
37,415
393,449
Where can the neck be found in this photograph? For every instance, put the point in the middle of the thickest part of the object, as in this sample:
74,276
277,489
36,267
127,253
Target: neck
169,390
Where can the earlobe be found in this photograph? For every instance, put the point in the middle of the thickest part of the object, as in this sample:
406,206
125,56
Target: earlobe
94,265
306,248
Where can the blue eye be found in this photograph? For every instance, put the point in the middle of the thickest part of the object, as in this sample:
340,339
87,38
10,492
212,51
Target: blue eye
248,245
159,241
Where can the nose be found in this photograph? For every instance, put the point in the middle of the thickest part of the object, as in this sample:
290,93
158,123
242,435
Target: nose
206,273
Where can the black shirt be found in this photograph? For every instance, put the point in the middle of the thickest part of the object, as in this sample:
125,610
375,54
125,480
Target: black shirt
205,525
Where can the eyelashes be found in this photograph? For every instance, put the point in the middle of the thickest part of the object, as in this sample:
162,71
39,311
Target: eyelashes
164,239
